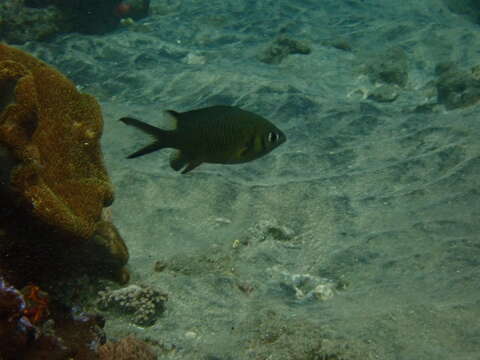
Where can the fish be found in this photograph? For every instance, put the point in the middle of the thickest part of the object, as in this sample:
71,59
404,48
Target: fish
219,134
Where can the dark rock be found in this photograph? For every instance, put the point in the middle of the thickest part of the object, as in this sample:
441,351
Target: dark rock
390,67
458,88
384,94
282,47
444,67
339,43
32,20
468,8
19,24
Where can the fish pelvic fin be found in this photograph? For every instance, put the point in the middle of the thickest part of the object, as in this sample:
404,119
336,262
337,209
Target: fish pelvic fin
163,138
191,165
178,161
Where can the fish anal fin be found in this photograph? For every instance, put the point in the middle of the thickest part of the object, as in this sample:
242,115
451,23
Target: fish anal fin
191,165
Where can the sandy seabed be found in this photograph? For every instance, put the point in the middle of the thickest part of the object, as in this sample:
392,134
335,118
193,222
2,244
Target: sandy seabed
358,238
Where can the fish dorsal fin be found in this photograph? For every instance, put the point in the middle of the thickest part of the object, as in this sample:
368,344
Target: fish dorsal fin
171,120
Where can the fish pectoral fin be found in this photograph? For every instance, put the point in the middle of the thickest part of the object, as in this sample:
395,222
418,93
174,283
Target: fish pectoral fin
242,152
191,165
247,149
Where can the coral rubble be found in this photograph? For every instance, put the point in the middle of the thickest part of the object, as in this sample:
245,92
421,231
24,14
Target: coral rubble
53,184
129,348
457,88
270,229
142,302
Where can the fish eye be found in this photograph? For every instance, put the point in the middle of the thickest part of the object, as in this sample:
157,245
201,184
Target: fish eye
272,137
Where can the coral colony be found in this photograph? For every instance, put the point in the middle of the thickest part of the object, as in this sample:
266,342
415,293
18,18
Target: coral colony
54,216
53,173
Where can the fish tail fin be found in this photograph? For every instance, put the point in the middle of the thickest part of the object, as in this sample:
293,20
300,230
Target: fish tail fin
146,150
163,138
147,128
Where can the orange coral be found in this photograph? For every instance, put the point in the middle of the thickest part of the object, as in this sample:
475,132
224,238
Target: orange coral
37,303
50,152
54,132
